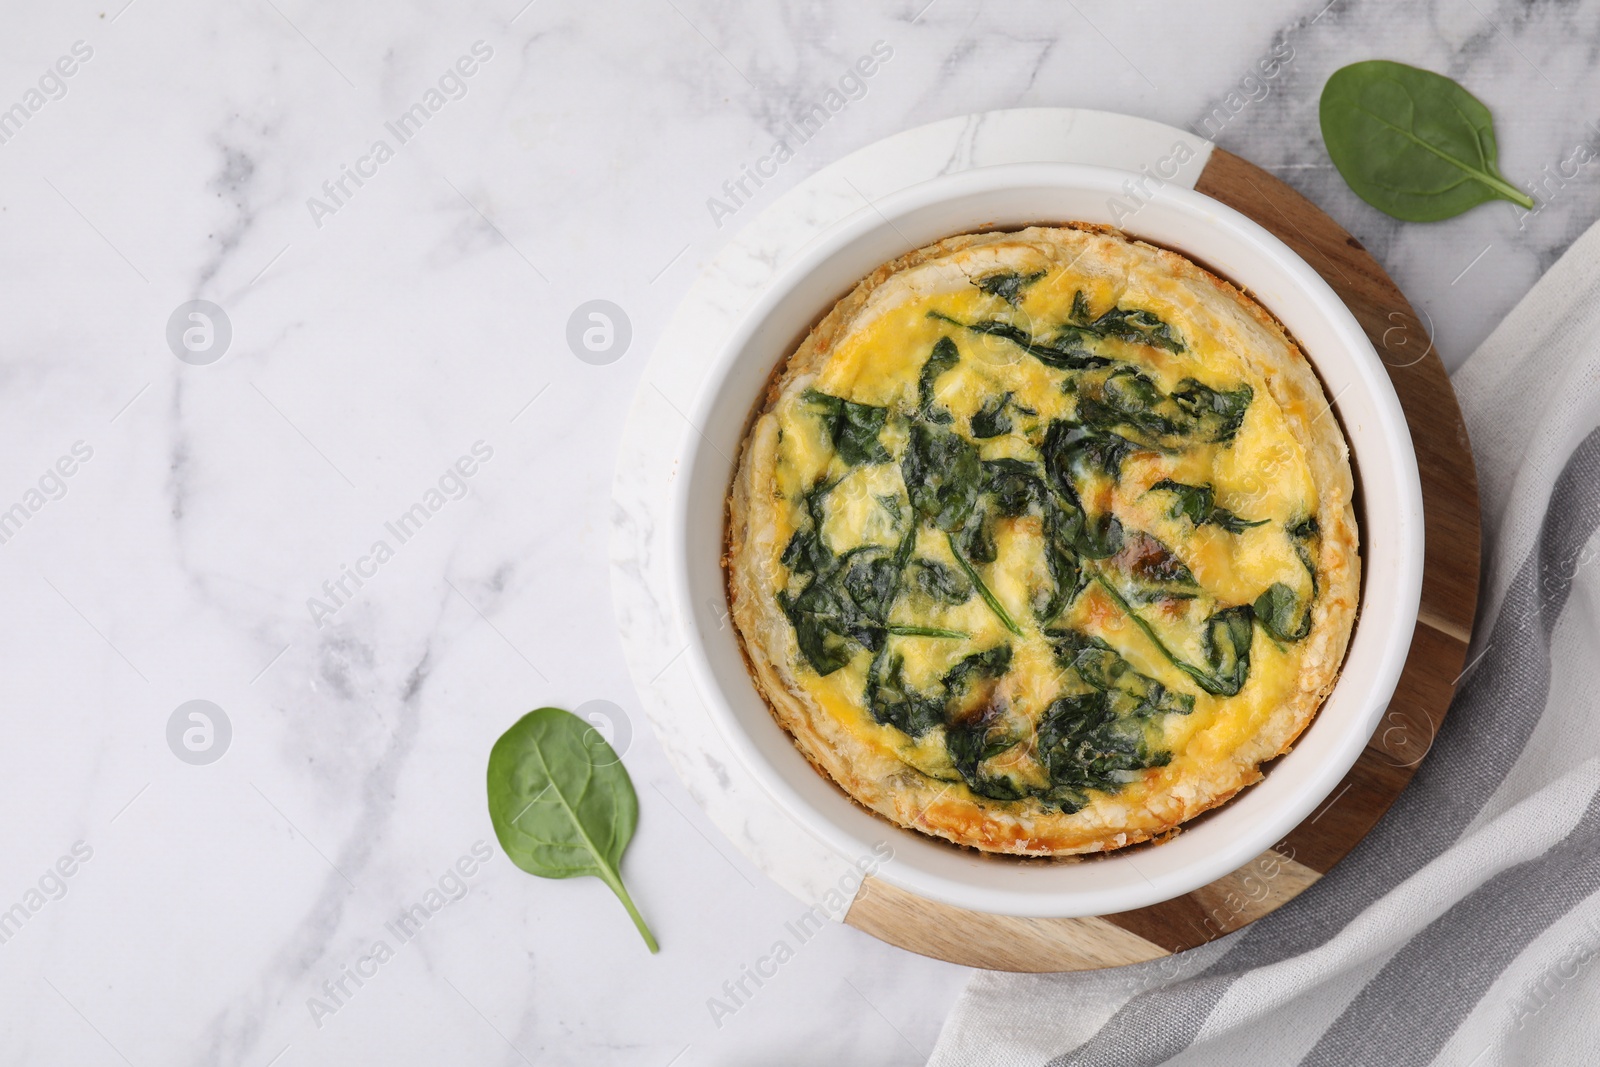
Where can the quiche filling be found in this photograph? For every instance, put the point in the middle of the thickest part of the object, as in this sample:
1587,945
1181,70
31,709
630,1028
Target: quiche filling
1040,546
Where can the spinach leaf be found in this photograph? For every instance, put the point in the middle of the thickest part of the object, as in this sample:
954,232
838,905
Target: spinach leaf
827,626
991,420
1007,285
1304,534
944,356
852,427
1129,403
887,696
1013,488
1198,502
941,473
846,602
1216,414
976,538
1101,739
1013,484
1412,143
1062,531
816,611
871,578
983,590
894,703
1084,744
1281,613
990,663
943,584
562,803
925,631
1066,352
1101,536
1226,640
807,552
1137,327
1129,399
1101,667
1104,452
1071,454
1067,454
969,744
1132,325
1227,644
1008,488
1279,608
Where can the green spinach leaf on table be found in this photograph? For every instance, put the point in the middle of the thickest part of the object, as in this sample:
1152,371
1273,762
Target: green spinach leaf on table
1412,143
562,803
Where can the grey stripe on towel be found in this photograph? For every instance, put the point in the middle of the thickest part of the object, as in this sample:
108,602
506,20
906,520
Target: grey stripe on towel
1407,1013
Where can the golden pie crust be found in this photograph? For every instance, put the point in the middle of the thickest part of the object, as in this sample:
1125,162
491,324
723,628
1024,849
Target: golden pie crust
1286,462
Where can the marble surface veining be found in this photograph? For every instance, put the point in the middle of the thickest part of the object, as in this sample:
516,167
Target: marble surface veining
381,329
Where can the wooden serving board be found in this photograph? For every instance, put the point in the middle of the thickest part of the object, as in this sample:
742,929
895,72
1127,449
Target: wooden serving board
1422,696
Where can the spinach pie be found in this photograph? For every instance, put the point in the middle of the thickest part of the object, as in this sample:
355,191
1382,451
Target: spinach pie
1042,542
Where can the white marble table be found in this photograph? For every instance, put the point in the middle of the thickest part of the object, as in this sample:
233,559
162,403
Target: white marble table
381,330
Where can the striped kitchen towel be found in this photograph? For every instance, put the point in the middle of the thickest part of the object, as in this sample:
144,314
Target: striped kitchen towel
1465,928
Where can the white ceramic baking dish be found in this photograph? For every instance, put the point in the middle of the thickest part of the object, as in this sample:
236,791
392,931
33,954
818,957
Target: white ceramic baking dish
1389,509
